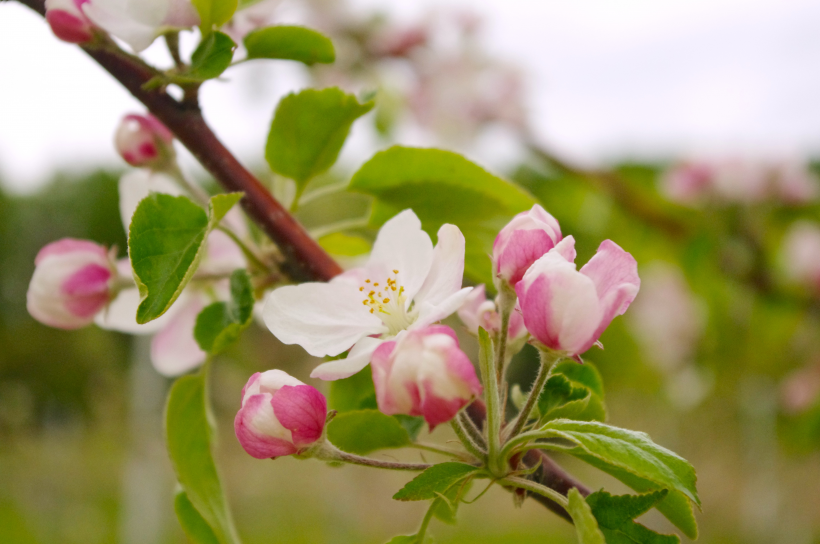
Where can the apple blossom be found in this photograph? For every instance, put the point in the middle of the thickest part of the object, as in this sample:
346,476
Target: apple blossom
522,241
68,22
139,22
477,311
424,373
405,285
141,140
567,310
279,415
72,281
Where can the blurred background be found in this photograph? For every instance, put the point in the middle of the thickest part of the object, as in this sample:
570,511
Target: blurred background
685,131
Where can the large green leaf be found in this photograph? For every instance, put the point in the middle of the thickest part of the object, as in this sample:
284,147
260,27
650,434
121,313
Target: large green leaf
615,515
363,431
195,527
308,131
188,433
290,43
166,242
435,481
443,187
220,324
214,13
212,56
586,527
630,451
564,398
582,374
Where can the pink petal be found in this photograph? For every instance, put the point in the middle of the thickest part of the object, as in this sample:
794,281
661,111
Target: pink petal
303,411
256,444
615,275
70,245
174,350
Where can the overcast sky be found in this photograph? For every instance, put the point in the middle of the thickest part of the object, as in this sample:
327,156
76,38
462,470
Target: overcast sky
608,79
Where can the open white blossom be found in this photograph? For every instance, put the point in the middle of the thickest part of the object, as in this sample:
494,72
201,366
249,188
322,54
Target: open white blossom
406,284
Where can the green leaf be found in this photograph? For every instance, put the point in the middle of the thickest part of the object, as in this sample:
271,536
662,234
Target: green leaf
412,425
346,245
196,528
363,431
615,515
354,393
446,510
562,398
308,131
166,242
290,43
436,479
585,374
214,13
443,187
630,451
212,56
585,524
188,431
220,324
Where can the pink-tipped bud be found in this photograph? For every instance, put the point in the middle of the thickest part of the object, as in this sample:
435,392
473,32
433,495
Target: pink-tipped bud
477,311
144,142
565,309
527,237
72,281
424,373
68,22
279,416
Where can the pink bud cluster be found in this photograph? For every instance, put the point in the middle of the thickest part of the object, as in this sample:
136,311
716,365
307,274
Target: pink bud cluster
68,21
142,141
73,280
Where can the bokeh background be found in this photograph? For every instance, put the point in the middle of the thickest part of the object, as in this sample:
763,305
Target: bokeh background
702,117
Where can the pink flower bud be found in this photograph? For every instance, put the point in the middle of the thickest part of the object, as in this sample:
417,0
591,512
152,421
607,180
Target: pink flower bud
567,310
72,281
143,141
519,244
279,416
424,373
68,22
477,312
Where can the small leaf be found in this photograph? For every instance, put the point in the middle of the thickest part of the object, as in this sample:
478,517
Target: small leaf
188,435
308,131
290,43
436,479
165,245
412,425
195,527
585,524
615,515
630,451
214,13
562,398
211,57
220,324
585,374
363,431
443,187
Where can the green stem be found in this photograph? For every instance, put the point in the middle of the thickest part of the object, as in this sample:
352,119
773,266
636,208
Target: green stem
443,451
426,522
247,251
193,189
329,452
468,442
472,431
542,490
511,446
548,360
495,464
506,303
326,190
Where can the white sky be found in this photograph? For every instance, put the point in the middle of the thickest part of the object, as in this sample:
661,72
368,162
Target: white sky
608,79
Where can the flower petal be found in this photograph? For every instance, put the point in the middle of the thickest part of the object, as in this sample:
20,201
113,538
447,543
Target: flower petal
429,314
447,270
174,350
302,410
402,245
356,360
323,318
255,416
113,17
136,185
121,314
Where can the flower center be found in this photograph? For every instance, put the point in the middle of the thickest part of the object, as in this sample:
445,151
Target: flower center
386,300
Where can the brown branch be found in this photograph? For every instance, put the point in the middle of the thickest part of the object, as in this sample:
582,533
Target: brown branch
305,260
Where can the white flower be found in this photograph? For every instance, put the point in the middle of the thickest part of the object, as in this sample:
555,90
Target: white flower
405,285
139,22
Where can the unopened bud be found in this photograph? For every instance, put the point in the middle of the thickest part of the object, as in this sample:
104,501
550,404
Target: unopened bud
68,22
144,142
522,241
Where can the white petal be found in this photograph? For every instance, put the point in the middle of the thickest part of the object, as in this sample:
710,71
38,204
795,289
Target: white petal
447,271
121,314
323,318
402,245
174,350
113,17
136,185
357,359
429,314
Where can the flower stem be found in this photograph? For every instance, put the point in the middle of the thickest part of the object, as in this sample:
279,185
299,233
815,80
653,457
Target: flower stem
488,376
426,521
542,490
329,452
444,451
548,360
472,431
506,302
467,440
249,254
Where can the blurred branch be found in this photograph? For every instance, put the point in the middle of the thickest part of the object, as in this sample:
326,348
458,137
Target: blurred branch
616,187
305,260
